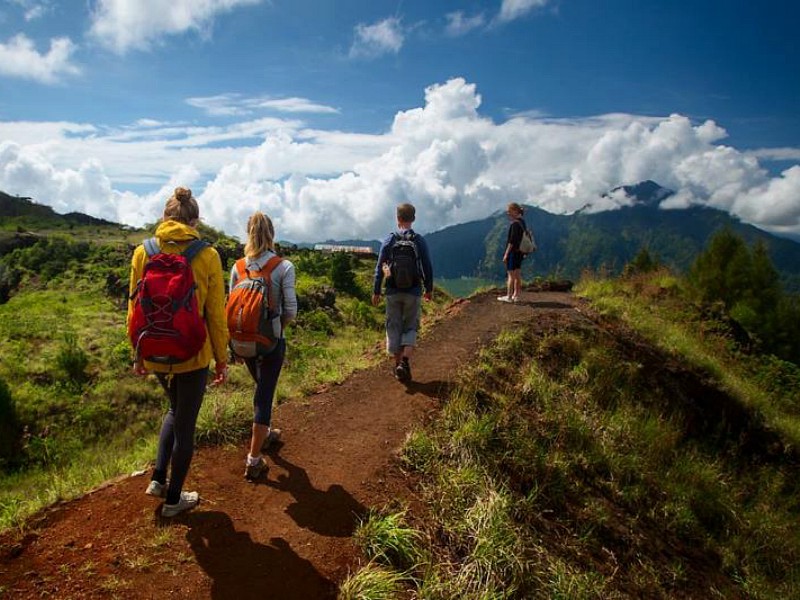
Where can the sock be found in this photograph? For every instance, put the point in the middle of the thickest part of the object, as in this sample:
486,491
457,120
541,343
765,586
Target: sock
252,461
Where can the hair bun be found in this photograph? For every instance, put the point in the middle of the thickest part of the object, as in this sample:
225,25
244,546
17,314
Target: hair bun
183,194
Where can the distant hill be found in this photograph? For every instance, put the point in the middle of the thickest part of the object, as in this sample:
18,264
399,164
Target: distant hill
23,211
570,243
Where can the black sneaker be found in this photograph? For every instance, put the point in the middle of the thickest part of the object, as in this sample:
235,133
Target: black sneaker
407,369
403,370
253,472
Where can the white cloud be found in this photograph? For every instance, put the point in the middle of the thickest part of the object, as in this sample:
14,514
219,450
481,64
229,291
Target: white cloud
238,105
514,9
452,162
776,153
383,37
122,25
33,9
459,24
19,58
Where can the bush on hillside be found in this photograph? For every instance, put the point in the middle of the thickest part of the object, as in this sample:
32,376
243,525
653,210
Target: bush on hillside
747,283
71,359
342,276
9,279
9,428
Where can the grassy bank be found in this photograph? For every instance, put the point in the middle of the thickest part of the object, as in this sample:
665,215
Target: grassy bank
78,417
591,462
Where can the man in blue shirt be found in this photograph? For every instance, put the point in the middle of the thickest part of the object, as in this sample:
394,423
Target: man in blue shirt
404,262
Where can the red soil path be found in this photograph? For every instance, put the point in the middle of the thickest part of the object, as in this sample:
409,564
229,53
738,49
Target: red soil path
288,536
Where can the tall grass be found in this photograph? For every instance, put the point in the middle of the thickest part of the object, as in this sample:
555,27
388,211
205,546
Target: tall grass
567,466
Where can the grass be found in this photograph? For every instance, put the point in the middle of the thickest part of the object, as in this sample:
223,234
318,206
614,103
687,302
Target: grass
573,465
65,362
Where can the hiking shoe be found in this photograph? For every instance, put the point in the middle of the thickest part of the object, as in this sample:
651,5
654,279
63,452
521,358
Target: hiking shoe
253,472
403,371
504,299
159,490
406,369
187,502
273,437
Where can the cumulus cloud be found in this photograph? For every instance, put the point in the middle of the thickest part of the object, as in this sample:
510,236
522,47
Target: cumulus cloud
122,25
238,105
452,162
19,58
514,9
383,37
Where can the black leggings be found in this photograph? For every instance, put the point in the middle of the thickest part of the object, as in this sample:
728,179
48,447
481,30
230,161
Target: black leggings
265,371
176,442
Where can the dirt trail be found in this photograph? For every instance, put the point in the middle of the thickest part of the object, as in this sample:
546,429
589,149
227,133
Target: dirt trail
288,536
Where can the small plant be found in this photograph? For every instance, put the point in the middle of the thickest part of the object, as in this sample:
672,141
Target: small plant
71,359
372,582
387,540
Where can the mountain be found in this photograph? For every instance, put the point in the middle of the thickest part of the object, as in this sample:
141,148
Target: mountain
23,212
646,192
570,243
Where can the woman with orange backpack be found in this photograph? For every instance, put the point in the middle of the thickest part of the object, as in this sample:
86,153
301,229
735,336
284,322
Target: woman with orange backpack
176,338
261,304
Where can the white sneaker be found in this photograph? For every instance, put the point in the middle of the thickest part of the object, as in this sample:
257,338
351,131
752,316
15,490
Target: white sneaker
159,490
187,502
514,299
504,299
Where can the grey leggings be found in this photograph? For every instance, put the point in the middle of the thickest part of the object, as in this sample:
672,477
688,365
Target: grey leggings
176,442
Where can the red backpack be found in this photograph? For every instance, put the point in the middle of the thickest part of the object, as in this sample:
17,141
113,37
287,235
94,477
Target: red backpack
254,321
166,326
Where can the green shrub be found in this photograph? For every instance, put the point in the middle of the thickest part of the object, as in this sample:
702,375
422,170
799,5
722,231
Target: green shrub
317,320
8,426
71,359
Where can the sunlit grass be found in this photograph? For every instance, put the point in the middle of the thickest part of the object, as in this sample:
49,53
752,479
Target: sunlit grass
557,452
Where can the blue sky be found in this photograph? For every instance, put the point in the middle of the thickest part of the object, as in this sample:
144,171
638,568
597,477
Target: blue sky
326,114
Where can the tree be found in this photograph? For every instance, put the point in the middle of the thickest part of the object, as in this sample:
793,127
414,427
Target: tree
341,274
723,270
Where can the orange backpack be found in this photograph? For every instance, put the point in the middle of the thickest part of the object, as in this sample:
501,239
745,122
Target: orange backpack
254,321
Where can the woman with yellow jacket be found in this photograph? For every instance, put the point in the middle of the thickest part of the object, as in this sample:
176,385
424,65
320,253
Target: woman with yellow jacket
184,382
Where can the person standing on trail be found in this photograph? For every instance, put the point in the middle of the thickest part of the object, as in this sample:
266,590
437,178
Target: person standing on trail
184,382
263,362
404,262
512,257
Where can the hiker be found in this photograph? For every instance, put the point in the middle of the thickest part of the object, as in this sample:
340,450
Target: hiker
264,363
512,257
184,382
404,261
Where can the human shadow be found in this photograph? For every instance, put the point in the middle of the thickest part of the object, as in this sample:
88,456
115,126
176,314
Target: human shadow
241,568
551,305
436,389
332,512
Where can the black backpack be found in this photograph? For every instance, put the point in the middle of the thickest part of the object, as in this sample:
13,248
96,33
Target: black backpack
404,262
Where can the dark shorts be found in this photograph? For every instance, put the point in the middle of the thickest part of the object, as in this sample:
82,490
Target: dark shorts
514,261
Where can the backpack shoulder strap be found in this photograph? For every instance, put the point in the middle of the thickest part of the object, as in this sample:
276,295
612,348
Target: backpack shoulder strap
271,265
194,248
151,246
266,274
241,268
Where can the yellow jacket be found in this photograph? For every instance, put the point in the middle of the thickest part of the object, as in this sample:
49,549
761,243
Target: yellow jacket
173,237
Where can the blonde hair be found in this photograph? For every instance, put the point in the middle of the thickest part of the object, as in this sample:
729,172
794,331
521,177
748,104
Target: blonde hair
182,207
260,235
406,213
513,206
